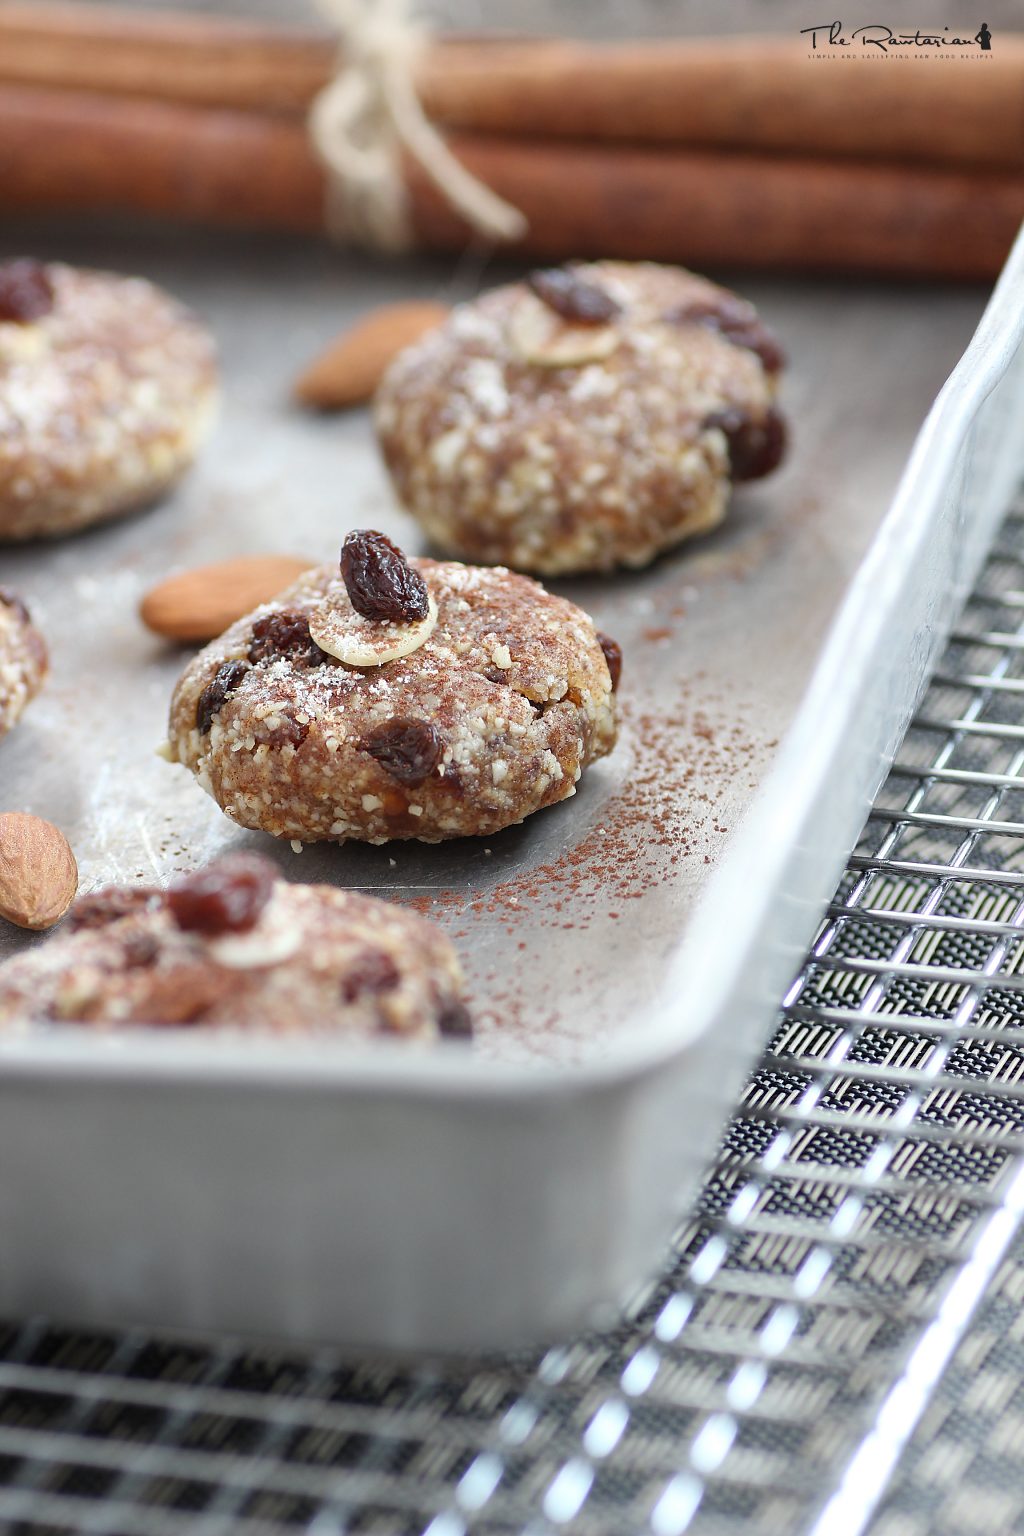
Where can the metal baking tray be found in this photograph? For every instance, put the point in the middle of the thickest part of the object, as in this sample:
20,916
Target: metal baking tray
625,950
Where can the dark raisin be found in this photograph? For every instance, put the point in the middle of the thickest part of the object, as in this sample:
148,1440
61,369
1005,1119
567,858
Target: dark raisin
290,733
100,908
408,749
285,634
572,296
140,951
379,579
26,292
612,655
371,975
12,600
451,779
454,1021
225,680
756,337
738,322
226,897
756,447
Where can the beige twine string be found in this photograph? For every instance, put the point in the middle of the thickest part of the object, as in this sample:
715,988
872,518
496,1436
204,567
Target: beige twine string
369,113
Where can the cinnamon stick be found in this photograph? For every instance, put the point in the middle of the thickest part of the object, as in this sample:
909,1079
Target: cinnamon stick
742,93
170,56
746,93
754,211
61,150
71,150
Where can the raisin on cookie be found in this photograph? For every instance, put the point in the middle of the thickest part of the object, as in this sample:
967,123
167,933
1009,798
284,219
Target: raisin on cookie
587,418
107,388
232,946
23,659
396,699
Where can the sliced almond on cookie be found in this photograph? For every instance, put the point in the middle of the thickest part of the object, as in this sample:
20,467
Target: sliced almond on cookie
544,338
22,343
276,937
364,642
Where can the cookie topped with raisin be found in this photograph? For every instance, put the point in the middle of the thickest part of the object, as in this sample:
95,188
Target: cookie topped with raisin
587,418
107,388
24,660
233,946
385,698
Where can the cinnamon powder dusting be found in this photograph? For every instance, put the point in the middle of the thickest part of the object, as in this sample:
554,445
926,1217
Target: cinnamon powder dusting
642,860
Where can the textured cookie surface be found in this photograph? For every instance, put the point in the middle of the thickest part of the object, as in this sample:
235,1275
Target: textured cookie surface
23,659
104,398
590,420
492,716
314,961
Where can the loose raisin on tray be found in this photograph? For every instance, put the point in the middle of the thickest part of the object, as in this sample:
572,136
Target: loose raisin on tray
374,973
379,579
612,655
572,296
225,680
737,321
408,749
26,292
285,634
12,600
755,447
226,897
454,1021
101,908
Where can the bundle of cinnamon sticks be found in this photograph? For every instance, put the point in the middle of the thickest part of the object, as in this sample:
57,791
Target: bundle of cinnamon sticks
716,152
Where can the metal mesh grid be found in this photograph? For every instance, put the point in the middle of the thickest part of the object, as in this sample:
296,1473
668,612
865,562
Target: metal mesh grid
961,1475
864,1204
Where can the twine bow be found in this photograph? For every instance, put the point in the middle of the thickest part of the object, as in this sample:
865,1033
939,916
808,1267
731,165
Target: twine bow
369,113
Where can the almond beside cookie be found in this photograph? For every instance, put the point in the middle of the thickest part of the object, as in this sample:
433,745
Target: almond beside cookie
198,605
348,372
38,872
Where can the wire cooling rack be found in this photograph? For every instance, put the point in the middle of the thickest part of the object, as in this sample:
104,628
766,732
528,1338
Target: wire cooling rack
859,1233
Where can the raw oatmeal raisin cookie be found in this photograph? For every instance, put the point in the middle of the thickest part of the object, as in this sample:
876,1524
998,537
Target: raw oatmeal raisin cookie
481,699
232,946
23,659
587,418
107,387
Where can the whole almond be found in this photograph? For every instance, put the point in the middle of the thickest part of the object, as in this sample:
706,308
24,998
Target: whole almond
199,605
38,873
348,372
